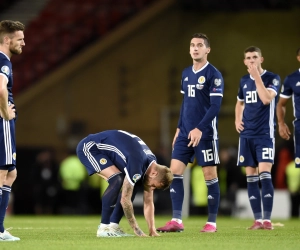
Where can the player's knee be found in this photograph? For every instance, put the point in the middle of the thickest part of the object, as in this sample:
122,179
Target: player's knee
116,181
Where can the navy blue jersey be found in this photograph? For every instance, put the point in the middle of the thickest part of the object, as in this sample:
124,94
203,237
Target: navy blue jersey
258,119
291,88
6,70
201,89
7,128
116,147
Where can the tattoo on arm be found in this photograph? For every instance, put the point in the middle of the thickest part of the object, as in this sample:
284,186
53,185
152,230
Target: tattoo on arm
127,206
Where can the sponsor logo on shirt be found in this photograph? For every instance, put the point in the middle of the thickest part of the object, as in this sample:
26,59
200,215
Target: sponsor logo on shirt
199,86
298,84
186,79
245,86
297,160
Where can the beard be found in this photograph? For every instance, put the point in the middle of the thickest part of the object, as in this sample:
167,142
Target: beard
15,51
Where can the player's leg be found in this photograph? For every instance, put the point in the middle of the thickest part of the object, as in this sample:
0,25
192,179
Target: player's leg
265,154
247,159
267,193
181,155
100,164
208,157
118,213
254,196
8,172
297,148
177,196
109,201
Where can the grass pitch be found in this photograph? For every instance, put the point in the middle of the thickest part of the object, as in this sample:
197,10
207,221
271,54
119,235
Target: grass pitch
79,232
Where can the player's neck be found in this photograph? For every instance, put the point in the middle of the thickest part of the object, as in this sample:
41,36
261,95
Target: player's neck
5,51
199,64
261,70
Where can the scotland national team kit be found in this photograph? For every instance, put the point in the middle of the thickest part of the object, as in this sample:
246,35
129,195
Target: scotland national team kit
203,92
116,147
291,88
257,140
7,128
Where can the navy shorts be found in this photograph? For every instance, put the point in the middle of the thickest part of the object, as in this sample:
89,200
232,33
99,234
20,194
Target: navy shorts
89,155
7,145
252,151
206,152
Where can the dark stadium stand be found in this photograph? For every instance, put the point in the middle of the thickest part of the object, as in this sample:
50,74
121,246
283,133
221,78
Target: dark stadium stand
62,29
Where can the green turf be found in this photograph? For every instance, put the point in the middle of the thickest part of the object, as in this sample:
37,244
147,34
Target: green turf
79,232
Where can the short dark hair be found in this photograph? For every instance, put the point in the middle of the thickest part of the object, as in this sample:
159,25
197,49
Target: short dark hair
253,49
9,27
298,52
204,37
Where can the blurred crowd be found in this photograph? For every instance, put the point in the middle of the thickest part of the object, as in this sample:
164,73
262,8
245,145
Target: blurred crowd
65,188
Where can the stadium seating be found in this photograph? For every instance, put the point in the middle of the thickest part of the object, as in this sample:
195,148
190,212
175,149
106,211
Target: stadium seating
62,29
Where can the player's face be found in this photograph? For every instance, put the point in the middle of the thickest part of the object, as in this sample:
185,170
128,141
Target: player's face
253,58
198,49
17,43
151,183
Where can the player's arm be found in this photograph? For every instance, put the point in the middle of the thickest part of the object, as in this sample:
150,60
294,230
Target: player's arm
239,109
283,129
149,212
6,112
196,134
127,205
265,95
3,98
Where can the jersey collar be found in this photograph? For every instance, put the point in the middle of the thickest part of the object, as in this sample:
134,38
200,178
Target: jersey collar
260,74
203,67
5,55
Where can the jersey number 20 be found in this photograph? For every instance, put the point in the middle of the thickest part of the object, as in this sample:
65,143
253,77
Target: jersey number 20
251,96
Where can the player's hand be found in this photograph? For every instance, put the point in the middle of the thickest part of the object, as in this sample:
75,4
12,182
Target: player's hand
11,111
284,131
195,137
140,233
253,70
239,126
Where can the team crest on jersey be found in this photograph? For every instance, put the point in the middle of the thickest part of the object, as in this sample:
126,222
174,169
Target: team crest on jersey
5,70
14,156
297,160
275,82
201,79
136,177
242,158
297,84
218,82
103,161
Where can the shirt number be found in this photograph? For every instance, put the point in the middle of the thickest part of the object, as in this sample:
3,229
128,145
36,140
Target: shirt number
191,90
251,96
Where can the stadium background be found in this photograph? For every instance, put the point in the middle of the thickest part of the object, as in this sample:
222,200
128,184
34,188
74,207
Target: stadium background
95,65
